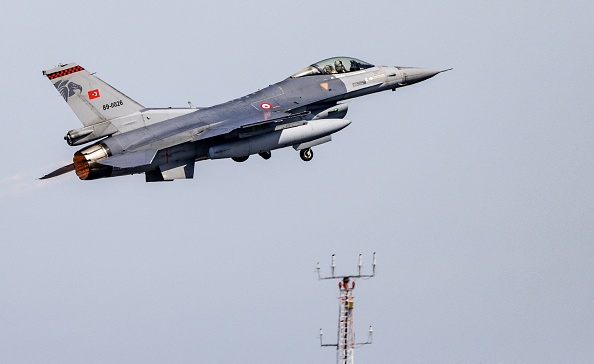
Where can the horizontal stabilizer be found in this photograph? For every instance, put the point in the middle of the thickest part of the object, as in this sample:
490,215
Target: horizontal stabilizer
185,170
130,160
181,169
60,171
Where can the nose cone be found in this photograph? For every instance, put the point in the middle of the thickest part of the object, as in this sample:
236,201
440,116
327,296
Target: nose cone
411,75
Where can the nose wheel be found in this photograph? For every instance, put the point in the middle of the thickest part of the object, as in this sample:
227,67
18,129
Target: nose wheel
306,154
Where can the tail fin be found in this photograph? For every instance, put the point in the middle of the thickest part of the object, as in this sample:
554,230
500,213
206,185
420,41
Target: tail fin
92,100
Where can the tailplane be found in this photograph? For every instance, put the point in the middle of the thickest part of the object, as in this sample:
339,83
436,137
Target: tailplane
92,99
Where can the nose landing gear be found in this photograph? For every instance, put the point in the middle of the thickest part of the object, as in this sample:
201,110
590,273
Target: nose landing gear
306,154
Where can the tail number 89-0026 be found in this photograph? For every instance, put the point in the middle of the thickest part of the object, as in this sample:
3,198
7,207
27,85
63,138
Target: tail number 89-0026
113,104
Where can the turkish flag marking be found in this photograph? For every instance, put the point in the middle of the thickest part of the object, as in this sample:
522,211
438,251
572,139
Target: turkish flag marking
94,94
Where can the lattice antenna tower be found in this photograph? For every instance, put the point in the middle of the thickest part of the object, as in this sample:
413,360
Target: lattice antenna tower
346,344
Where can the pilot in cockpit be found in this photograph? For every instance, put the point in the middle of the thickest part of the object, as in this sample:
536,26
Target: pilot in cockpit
328,69
339,66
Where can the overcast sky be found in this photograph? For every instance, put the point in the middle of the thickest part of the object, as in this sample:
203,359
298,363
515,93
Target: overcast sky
475,188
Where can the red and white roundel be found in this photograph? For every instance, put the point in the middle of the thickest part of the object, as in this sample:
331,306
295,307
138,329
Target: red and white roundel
266,106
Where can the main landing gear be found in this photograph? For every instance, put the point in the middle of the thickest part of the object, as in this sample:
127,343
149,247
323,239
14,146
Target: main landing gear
241,159
306,154
265,155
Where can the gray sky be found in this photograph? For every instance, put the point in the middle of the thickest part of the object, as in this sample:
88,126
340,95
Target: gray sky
475,188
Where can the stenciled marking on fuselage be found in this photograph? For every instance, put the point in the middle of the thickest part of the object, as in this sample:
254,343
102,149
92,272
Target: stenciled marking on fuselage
367,79
360,83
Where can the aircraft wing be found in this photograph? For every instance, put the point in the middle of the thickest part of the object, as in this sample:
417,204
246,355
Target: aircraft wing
241,123
138,147
189,128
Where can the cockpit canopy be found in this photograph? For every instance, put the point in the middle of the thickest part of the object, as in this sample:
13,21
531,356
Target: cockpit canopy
333,66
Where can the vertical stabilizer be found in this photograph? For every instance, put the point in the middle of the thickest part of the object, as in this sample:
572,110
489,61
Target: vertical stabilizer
92,100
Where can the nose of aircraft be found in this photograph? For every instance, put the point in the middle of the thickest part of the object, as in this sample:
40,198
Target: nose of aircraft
411,75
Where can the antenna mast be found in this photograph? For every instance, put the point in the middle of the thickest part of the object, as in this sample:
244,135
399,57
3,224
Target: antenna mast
345,346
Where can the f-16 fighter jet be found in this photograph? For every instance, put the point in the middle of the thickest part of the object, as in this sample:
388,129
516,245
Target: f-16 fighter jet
301,111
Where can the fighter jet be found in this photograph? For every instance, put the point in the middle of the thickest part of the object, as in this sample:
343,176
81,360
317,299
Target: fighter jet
301,111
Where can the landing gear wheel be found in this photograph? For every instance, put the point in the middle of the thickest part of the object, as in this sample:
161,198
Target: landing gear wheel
265,155
240,159
306,154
